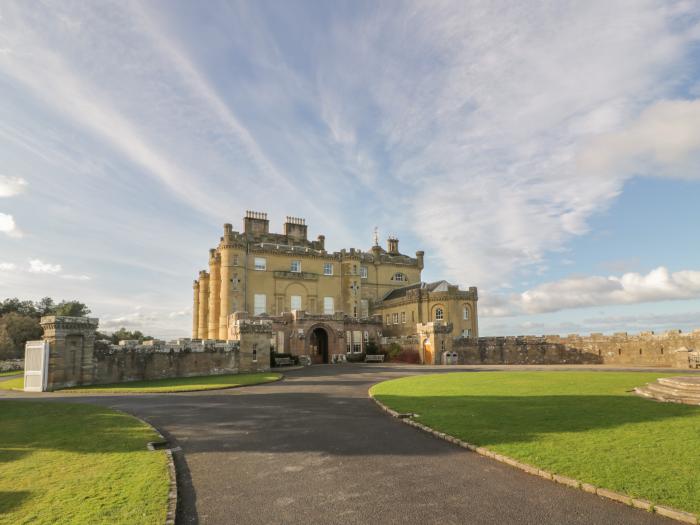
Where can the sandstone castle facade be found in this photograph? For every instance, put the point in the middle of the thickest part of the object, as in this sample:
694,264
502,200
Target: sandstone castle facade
320,303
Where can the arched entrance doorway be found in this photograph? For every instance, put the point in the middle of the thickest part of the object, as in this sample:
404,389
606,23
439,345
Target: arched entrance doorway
319,342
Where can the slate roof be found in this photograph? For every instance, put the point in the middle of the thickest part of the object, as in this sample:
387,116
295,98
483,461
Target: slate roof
396,293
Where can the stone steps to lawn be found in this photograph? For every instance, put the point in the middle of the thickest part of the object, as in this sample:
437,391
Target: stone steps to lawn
684,390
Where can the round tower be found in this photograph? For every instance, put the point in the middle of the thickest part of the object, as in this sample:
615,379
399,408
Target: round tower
214,291
195,310
203,329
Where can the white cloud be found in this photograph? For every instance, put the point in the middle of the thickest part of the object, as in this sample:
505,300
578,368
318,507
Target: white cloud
663,141
7,267
8,225
39,266
579,292
10,186
72,277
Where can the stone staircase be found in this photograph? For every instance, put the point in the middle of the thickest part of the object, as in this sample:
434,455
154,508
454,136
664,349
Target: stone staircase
684,390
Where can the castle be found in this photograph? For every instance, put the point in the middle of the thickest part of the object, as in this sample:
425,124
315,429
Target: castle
320,303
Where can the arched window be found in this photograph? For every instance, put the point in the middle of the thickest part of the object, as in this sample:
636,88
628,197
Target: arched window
398,276
439,314
465,313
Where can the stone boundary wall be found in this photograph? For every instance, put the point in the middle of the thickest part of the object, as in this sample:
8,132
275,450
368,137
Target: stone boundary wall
131,361
75,358
670,349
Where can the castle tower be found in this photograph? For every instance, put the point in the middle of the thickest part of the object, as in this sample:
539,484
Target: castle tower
195,310
214,291
203,329
227,272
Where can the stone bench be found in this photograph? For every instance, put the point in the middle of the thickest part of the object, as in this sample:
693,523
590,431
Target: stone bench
283,361
379,358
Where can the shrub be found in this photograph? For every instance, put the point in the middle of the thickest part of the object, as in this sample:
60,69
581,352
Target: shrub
372,348
356,358
407,356
273,356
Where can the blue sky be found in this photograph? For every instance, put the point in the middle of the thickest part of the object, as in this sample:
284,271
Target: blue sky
546,152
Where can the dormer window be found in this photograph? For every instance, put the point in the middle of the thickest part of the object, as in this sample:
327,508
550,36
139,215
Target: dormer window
398,276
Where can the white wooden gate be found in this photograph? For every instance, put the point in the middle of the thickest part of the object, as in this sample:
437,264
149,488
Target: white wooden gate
36,366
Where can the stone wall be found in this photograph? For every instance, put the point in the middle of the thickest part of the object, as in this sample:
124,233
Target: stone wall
75,358
670,349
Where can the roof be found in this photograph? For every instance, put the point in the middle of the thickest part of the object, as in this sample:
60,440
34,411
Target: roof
396,293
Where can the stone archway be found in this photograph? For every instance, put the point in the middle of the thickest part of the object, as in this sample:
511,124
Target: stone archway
319,344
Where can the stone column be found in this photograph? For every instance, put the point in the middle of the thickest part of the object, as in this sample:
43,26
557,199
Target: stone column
203,304
195,310
214,291
71,350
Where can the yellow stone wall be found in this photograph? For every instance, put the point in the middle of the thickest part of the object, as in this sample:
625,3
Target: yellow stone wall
421,308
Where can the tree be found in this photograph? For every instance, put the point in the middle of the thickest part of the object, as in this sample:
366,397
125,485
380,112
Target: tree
14,305
123,335
46,306
70,308
18,329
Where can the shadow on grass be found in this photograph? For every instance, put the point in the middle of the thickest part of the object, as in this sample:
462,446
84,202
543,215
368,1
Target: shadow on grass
492,420
28,426
11,500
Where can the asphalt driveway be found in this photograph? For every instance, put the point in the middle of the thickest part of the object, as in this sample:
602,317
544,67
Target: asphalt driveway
314,449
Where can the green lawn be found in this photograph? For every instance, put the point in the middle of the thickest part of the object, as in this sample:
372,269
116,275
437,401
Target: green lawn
78,464
12,384
584,425
181,384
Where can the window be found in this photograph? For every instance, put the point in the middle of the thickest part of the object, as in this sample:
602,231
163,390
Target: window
403,317
395,317
467,332
348,341
328,306
465,313
365,337
388,320
357,347
363,272
255,353
260,263
260,304
354,269
398,276
328,269
296,266
364,308
235,260
439,314
295,302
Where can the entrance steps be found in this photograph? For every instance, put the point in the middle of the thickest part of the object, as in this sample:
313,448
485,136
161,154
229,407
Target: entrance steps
684,390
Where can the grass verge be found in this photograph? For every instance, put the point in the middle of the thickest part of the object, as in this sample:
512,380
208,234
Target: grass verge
181,384
81,464
584,425
12,384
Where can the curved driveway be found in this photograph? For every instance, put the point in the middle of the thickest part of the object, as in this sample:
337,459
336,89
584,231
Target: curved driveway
314,449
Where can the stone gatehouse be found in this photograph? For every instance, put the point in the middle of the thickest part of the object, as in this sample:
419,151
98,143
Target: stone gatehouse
317,336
